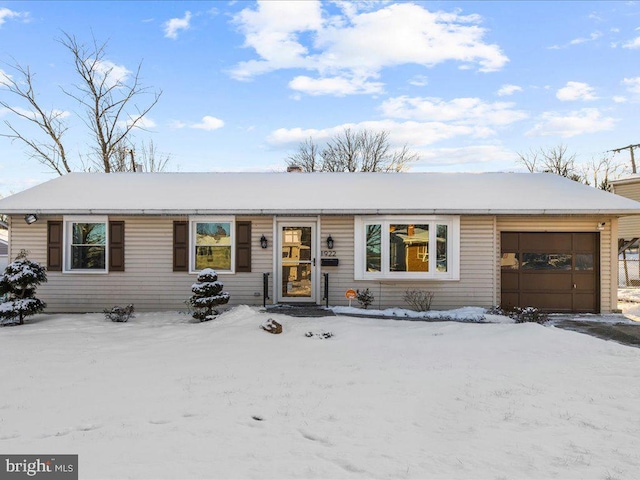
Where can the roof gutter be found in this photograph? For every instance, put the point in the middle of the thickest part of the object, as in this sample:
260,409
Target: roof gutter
289,212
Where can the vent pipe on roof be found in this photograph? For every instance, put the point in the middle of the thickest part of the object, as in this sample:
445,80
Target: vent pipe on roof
294,169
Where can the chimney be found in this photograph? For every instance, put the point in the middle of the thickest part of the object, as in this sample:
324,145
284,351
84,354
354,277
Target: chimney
294,169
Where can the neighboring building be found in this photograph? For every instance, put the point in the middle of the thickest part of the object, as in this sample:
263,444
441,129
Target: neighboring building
4,246
628,227
471,239
628,233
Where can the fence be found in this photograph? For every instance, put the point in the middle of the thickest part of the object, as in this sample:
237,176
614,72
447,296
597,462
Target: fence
629,272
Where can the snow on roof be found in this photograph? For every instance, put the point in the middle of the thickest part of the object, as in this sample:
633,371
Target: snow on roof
315,193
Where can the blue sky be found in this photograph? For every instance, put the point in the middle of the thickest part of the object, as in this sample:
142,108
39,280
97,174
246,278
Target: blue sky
467,85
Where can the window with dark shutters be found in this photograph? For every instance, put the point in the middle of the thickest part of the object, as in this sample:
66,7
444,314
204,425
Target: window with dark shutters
243,246
116,246
54,246
180,246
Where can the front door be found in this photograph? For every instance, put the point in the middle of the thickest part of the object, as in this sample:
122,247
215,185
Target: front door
297,261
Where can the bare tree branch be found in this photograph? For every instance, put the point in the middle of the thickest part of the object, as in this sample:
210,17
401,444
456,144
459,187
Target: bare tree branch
552,160
108,101
353,151
106,98
602,171
50,152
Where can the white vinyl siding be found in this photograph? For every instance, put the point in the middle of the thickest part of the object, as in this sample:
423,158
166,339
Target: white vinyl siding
476,286
149,281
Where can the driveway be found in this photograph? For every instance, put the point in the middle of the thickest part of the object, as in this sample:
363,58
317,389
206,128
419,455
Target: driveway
623,332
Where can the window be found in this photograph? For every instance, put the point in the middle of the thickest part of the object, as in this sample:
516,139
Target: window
212,244
425,247
86,241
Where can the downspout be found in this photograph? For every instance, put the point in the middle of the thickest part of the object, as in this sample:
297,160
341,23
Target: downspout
496,263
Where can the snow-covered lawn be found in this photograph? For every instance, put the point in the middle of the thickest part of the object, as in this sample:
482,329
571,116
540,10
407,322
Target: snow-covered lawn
160,397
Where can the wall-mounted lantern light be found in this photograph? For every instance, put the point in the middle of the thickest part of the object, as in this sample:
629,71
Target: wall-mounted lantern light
30,218
330,242
263,241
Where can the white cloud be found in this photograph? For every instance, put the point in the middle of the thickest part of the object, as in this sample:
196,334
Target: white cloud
144,123
419,81
577,41
507,90
586,120
59,114
177,124
400,133
338,86
6,14
173,26
632,84
112,73
619,99
575,91
463,111
359,43
469,155
5,78
635,43
591,38
208,123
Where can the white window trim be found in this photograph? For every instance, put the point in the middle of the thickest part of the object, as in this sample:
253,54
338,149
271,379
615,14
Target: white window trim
192,241
66,242
453,247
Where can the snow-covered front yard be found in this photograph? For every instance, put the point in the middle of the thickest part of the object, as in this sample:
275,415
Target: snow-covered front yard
160,397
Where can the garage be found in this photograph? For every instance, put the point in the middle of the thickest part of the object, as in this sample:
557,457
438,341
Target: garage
552,271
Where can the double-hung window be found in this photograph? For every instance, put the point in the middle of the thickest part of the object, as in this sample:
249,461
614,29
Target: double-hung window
86,242
410,248
212,244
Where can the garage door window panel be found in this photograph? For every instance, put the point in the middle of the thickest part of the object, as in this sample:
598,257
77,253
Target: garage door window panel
546,261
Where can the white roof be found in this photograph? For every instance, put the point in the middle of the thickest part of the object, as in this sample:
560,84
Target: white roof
315,193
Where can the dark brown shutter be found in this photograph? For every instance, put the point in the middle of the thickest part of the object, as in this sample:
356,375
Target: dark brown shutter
116,246
54,246
180,246
243,246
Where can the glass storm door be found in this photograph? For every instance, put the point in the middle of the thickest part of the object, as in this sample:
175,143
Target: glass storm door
297,262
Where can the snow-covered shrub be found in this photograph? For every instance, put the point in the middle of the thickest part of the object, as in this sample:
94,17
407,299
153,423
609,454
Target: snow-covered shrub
528,314
207,295
520,315
119,314
364,297
18,286
420,300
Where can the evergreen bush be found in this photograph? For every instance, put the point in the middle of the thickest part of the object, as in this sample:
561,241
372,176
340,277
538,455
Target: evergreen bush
18,286
207,295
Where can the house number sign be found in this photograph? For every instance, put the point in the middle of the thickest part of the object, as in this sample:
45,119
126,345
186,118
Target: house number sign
328,253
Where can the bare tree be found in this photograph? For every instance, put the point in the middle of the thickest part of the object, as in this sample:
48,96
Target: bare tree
599,172
108,101
307,157
150,159
349,151
50,151
552,160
